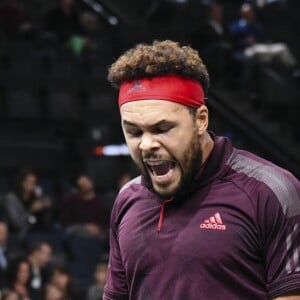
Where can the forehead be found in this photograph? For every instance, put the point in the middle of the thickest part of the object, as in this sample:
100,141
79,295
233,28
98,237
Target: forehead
44,248
30,177
151,111
23,265
83,180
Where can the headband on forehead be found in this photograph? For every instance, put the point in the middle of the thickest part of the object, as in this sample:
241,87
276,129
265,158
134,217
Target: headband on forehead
173,88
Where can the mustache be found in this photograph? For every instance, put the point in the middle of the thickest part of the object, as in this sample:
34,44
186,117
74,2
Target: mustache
152,156
149,155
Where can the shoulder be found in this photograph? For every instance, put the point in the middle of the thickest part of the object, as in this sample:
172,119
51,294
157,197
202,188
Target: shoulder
133,184
11,199
11,195
130,194
130,190
267,179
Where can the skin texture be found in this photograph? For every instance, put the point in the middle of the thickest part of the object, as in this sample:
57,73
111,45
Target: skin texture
162,131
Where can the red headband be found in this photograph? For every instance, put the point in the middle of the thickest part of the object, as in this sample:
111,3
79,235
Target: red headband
173,88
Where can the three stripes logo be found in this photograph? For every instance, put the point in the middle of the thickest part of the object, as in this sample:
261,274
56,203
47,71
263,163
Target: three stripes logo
214,222
136,87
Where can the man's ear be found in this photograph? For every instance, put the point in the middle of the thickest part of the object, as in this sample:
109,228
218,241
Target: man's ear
202,119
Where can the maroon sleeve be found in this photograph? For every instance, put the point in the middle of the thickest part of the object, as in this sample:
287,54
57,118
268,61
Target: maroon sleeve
116,285
279,222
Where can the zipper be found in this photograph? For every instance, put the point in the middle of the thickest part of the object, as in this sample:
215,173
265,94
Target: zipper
162,213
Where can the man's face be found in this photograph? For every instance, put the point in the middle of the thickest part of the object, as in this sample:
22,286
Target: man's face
85,188
163,140
61,279
44,255
23,273
29,183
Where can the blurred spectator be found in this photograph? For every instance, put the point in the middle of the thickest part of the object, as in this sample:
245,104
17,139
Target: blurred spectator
10,295
97,35
39,256
7,253
214,31
63,21
27,208
14,21
215,41
251,50
53,292
247,30
250,42
18,274
61,278
95,291
82,212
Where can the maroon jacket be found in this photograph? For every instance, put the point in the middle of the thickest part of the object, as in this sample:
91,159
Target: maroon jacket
75,210
235,235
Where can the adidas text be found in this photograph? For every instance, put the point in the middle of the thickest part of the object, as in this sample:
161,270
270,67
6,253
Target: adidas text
213,226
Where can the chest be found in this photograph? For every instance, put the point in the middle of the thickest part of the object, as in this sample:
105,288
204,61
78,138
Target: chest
210,230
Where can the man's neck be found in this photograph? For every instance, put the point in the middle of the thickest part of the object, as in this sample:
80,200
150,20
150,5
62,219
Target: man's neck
207,146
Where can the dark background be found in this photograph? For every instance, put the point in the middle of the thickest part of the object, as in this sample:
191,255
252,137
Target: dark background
56,105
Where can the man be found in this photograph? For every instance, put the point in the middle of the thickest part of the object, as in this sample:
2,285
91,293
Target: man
85,222
205,220
82,213
26,207
39,257
214,41
249,41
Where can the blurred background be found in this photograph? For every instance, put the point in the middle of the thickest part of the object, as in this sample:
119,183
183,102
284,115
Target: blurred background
60,134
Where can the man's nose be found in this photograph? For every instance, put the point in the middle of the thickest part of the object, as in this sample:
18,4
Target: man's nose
148,142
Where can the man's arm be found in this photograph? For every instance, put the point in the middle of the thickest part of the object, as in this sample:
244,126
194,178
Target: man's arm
279,223
116,287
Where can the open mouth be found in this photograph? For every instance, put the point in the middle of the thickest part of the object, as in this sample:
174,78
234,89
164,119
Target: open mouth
160,167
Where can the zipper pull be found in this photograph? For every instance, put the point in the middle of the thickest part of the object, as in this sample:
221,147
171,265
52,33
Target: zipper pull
162,213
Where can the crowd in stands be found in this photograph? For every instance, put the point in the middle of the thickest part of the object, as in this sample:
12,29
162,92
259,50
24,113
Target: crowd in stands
53,248
235,38
244,40
53,75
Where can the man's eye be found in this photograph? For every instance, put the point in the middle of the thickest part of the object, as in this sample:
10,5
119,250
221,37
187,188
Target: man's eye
134,133
162,129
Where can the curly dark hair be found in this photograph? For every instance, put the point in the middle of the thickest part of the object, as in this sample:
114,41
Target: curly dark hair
160,58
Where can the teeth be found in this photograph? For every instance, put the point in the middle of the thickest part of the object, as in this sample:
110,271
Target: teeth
156,163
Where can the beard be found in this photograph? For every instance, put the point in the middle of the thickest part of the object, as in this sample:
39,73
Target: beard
189,165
